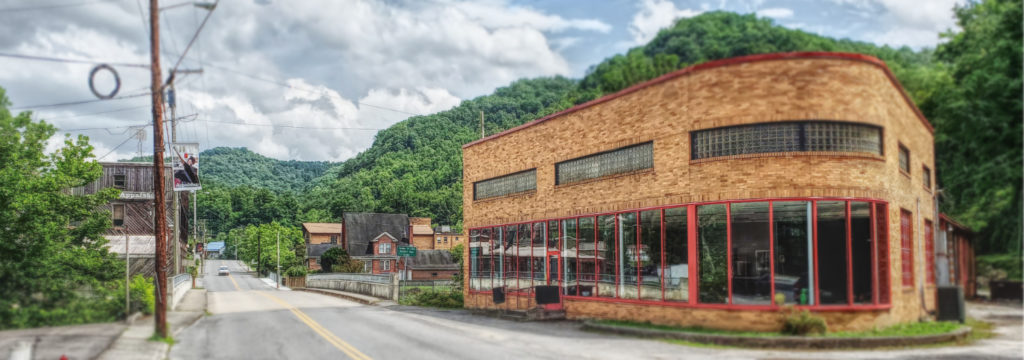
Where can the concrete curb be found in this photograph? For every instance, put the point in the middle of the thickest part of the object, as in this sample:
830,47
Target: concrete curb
341,295
787,342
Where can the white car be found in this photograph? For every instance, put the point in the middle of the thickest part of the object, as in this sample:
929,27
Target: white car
222,271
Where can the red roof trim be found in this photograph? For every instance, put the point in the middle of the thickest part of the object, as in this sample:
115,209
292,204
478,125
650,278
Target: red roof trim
950,220
719,63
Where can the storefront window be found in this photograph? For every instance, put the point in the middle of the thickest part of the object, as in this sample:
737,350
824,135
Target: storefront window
570,257
587,264
606,256
510,262
523,254
751,254
650,255
539,253
676,255
832,252
628,266
746,253
793,246
882,252
712,231
553,235
860,252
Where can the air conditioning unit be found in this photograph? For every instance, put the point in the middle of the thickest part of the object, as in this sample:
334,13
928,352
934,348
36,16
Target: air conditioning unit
950,301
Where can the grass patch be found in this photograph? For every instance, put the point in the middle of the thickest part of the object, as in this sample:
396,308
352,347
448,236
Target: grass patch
156,337
697,344
901,330
980,330
433,298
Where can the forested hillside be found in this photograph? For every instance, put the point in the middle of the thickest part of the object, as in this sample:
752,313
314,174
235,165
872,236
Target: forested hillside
969,88
239,166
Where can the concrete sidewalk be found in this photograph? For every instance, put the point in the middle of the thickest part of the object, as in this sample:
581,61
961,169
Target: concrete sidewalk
134,342
75,341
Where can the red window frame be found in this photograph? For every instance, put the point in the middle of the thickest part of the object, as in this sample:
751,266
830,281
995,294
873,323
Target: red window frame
907,247
929,253
879,257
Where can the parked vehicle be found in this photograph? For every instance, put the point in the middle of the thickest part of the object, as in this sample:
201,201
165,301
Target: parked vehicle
223,271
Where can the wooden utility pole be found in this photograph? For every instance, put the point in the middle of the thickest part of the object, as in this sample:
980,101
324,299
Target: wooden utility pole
481,124
259,251
160,213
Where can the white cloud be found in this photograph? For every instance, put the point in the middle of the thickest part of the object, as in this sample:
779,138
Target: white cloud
776,13
329,67
653,16
911,23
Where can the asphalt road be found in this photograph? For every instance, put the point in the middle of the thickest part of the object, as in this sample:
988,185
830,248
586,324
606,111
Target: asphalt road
251,320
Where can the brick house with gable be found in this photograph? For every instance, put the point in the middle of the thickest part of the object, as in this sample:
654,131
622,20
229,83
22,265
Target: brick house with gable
384,258
319,238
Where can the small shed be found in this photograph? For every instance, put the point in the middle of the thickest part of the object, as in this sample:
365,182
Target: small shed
432,265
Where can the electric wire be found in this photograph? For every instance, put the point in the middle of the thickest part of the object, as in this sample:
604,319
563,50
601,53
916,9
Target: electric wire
54,6
43,106
71,61
99,113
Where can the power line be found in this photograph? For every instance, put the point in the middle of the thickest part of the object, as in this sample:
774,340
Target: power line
78,102
55,6
101,112
116,147
73,61
291,126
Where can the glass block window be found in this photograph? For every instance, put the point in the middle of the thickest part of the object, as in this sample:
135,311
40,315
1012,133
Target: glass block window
843,137
505,185
618,161
786,137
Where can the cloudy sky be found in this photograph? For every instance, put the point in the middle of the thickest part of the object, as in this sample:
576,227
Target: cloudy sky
313,80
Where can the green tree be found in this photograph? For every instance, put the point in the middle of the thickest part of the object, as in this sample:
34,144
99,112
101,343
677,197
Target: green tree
51,249
978,123
337,259
258,245
457,258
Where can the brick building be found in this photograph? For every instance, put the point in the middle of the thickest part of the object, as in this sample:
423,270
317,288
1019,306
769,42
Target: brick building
699,197
422,233
446,238
319,238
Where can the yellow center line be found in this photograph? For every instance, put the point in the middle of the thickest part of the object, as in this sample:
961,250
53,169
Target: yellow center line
234,282
345,347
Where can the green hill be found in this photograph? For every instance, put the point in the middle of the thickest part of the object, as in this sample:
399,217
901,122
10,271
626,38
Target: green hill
239,166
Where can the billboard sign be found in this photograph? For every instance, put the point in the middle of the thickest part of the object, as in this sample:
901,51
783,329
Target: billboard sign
185,157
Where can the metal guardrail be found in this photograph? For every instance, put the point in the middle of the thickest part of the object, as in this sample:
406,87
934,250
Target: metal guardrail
180,278
380,279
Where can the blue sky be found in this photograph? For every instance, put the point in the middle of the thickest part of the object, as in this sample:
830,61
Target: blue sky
314,79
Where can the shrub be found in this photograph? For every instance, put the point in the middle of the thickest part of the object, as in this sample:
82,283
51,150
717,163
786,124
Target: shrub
142,296
803,323
433,298
296,271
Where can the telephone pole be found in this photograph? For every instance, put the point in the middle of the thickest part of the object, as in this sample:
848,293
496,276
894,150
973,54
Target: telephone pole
278,259
160,202
481,124
259,251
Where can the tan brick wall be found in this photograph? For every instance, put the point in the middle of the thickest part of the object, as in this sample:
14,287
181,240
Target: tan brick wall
423,242
751,92
322,238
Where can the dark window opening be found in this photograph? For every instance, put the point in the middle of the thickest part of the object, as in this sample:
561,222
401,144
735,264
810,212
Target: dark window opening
860,252
117,215
120,181
793,246
904,157
832,252
712,231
